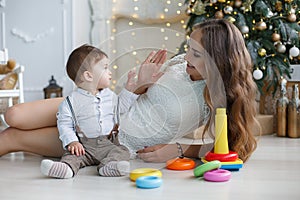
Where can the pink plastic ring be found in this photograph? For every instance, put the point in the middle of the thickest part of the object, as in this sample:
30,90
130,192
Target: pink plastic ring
218,175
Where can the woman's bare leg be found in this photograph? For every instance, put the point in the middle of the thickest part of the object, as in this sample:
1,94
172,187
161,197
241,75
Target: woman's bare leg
33,115
43,141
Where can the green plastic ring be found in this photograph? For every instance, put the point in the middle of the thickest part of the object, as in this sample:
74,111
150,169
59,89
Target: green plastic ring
200,170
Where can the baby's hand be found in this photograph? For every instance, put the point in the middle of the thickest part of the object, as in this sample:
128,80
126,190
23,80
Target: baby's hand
131,83
76,148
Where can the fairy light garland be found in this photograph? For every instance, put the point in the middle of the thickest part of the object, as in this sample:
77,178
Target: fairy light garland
131,24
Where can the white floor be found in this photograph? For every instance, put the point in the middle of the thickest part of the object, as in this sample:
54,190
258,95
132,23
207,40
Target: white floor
273,172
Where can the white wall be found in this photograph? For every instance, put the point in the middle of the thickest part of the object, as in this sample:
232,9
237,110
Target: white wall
40,34
81,22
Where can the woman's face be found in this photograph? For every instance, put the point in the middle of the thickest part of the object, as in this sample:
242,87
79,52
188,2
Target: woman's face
195,57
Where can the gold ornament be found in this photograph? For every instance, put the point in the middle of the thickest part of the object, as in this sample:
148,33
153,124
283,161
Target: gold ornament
248,5
231,19
275,37
262,52
261,26
222,1
199,7
278,6
288,1
219,14
292,17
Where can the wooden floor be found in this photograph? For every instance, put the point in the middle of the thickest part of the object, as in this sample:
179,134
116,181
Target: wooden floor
273,172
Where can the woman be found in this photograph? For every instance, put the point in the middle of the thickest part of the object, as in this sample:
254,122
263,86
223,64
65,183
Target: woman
217,54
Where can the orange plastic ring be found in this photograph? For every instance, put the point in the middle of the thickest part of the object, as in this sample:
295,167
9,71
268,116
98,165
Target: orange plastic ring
231,156
180,164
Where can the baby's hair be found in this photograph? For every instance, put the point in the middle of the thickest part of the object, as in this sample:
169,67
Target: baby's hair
83,59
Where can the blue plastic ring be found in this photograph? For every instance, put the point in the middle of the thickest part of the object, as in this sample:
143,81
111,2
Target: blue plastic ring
148,182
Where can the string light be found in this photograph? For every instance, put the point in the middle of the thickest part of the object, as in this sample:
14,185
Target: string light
135,16
166,36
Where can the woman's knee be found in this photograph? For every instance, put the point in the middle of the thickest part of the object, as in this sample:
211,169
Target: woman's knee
13,116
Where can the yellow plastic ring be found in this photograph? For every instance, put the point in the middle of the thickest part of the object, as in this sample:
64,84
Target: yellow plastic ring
136,173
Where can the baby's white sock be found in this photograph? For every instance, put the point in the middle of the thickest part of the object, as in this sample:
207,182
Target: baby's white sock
115,168
56,169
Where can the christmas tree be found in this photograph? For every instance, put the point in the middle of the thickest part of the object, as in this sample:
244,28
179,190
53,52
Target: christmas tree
271,29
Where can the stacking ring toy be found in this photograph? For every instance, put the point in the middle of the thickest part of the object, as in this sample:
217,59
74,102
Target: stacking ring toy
231,156
200,170
180,164
218,175
148,182
136,173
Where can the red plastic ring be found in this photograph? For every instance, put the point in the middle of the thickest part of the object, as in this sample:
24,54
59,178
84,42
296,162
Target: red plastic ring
180,164
231,156
218,175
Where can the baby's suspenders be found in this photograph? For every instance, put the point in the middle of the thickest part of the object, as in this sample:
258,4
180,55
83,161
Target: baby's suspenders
78,131
114,132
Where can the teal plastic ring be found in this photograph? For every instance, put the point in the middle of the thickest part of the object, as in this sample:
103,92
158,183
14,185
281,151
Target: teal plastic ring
148,182
200,170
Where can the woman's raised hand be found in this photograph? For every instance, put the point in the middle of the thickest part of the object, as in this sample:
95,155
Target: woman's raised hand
149,71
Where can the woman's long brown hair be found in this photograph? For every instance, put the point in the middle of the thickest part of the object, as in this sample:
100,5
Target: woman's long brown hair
226,47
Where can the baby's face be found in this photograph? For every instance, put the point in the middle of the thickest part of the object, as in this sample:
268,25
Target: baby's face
102,73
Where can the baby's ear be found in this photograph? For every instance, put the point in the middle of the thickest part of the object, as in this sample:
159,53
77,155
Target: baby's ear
88,76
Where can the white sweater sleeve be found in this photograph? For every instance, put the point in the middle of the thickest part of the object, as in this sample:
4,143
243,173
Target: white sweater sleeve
126,100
